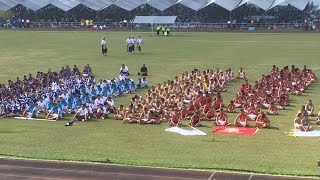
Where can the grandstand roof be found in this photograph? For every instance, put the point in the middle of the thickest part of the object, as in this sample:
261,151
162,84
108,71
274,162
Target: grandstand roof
161,5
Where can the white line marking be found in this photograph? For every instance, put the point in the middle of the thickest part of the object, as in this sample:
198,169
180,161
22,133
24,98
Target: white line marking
250,176
123,165
211,175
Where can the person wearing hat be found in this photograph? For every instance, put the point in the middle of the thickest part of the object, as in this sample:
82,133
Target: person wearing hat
104,46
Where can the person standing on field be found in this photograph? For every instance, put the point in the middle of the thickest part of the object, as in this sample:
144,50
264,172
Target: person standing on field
104,46
139,43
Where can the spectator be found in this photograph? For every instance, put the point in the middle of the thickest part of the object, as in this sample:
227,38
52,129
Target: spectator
124,70
143,70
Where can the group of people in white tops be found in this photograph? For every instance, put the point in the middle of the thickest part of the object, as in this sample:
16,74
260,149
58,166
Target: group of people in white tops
131,42
302,118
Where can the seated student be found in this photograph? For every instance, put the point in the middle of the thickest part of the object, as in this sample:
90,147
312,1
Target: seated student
124,70
242,119
54,112
175,118
85,72
272,110
241,74
184,112
81,114
217,104
252,113
222,118
120,113
153,117
2,109
231,107
196,118
262,121
309,107
305,123
111,107
318,119
143,71
131,116
31,111
208,112
102,112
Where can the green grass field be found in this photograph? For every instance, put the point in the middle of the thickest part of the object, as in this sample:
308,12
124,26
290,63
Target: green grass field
269,151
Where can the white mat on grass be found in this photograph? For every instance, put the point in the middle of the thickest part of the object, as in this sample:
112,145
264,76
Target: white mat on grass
184,132
34,119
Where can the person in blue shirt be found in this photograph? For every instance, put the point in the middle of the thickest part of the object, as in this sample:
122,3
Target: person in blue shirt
105,91
49,105
31,111
54,113
79,102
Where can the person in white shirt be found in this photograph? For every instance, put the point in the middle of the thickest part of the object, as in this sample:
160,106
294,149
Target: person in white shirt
111,107
128,44
104,46
81,114
139,43
102,112
99,100
124,70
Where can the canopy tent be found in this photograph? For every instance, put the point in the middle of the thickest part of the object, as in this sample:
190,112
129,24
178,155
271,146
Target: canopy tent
31,4
299,4
263,4
154,20
7,4
129,5
276,3
228,4
4,6
63,5
161,5
195,4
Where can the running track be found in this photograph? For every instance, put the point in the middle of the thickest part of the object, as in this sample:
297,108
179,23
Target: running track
52,170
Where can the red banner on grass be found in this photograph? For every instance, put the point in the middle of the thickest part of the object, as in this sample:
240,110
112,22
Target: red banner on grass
235,130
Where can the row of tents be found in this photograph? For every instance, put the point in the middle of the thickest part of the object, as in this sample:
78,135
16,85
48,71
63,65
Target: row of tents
161,5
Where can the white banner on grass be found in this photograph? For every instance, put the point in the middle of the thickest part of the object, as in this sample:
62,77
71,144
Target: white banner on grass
184,132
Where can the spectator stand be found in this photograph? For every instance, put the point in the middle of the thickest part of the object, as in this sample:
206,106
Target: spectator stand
155,20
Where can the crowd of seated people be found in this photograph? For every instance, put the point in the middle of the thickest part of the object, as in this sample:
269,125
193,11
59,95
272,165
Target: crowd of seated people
270,92
64,92
302,118
188,97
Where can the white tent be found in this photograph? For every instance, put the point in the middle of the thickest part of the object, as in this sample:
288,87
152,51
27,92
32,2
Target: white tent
194,4
299,4
6,5
276,3
228,4
161,5
263,4
154,20
129,5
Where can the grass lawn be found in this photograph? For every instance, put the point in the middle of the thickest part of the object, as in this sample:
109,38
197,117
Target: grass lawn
269,151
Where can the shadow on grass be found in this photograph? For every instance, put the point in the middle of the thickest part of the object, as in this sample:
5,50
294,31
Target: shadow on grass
273,128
